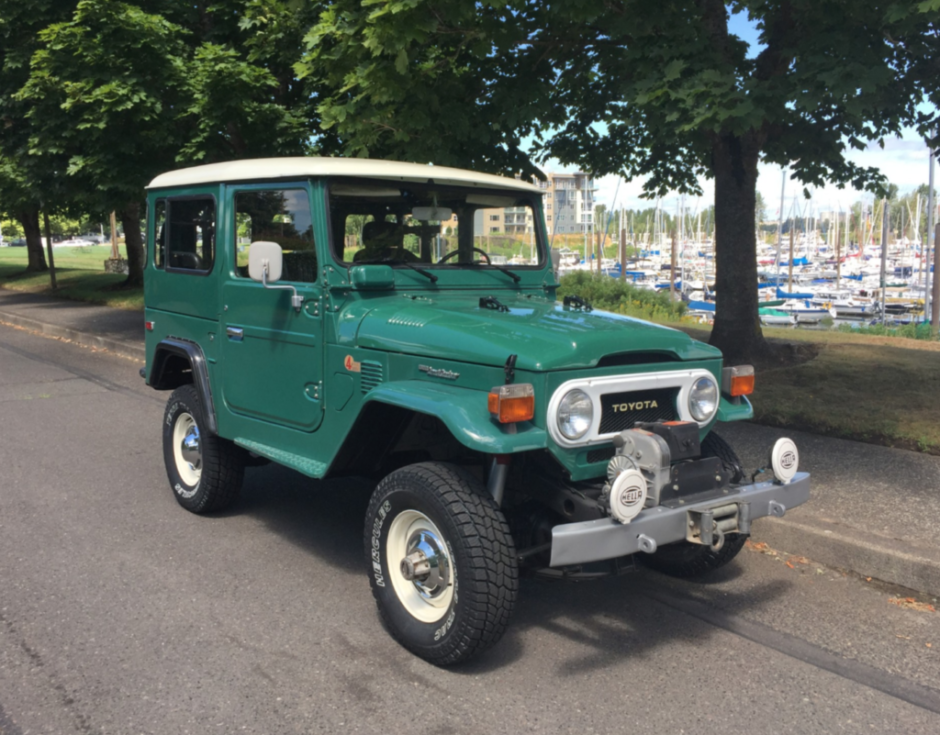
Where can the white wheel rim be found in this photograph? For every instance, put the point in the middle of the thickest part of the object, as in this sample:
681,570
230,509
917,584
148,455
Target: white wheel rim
425,602
187,452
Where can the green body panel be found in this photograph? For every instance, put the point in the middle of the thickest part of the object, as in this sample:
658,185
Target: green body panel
734,410
278,351
290,386
192,294
544,335
464,413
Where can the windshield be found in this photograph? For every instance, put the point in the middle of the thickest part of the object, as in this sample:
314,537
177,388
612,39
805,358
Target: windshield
427,225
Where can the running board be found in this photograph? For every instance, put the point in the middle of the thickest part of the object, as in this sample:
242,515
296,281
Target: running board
304,465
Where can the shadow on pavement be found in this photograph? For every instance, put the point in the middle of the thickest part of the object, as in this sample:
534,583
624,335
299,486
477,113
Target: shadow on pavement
607,620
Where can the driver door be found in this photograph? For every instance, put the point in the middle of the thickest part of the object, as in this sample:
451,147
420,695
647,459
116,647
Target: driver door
273,354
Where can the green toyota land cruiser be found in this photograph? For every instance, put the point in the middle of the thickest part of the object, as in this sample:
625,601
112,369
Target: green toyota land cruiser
353,317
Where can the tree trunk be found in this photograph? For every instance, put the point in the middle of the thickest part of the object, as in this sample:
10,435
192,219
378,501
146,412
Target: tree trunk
29,219
737,331
133,244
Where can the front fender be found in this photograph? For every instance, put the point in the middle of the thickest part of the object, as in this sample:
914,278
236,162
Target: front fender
729,410
464,412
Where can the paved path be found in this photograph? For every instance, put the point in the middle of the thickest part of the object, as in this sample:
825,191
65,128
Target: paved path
118,330
122,613
875,510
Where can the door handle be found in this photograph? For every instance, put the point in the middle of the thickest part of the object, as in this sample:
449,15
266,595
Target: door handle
235,334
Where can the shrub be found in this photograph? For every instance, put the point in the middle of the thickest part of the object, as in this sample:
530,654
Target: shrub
611,294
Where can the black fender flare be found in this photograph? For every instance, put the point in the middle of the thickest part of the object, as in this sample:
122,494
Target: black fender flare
193,354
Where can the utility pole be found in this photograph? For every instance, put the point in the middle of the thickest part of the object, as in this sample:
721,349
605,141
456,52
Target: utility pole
790,277
114,245
672,268
935,304
52,278
884,257
783,185
931,299
835,241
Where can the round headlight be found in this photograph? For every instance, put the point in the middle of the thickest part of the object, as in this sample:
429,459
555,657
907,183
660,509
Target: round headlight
575,413
703,399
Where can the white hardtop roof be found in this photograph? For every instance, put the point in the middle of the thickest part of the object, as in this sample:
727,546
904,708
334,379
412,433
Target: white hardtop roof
309,166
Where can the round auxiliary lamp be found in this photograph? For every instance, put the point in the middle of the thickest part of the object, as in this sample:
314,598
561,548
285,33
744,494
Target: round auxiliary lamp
785,460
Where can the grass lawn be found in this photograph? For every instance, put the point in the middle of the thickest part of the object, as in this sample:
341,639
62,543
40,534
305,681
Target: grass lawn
879,390
79,273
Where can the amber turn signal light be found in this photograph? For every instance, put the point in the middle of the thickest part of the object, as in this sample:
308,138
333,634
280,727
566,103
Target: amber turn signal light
512,403
738,381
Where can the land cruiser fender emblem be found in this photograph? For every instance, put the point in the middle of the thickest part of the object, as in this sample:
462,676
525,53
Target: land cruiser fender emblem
438,372
351,365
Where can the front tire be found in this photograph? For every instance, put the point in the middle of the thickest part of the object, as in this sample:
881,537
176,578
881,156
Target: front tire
205,471
441,562
684,559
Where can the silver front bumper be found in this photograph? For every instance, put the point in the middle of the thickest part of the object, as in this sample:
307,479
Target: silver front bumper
605,538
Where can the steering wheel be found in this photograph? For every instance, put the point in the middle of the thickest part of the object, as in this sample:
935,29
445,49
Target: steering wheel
452,253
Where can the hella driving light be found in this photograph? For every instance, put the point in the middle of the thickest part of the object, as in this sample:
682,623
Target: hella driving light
703,399
575,413
785,460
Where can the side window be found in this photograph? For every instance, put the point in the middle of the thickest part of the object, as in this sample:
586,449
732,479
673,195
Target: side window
159,233
281,216
191,234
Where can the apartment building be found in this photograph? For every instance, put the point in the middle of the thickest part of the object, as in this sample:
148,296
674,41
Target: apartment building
569,209
569,203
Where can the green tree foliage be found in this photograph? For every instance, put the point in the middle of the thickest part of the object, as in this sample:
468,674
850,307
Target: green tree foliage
432,82
26,178
118,92
659,90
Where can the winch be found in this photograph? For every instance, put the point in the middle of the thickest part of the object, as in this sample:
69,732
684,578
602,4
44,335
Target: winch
643,470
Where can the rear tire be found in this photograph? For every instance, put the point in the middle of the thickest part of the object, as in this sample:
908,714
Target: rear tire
205,471
461,604
684,559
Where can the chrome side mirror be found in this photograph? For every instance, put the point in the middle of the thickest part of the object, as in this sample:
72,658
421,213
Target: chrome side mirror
265,264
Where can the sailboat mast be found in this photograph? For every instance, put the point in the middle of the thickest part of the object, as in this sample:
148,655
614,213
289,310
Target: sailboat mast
783,185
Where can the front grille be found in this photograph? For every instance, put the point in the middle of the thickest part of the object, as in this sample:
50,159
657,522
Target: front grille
604,454
620,411
371,375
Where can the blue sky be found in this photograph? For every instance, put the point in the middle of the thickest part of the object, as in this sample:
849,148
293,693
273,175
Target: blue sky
905,161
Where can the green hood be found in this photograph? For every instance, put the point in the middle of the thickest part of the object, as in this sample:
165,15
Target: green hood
544,335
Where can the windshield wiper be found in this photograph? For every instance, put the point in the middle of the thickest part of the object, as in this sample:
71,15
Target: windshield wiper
398,261
501,268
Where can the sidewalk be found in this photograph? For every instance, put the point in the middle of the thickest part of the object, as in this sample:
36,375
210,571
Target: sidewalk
116,330
874,510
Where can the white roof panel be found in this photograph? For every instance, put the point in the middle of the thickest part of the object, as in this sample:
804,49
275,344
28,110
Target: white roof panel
310,166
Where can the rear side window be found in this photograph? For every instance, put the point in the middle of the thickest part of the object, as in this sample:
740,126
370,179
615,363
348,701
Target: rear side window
159,233
281,216
190,239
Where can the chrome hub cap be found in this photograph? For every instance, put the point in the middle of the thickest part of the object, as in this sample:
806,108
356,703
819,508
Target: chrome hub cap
187,450
420,566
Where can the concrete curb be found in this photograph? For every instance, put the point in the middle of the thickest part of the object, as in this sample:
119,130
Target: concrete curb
859,551
138,352
827,542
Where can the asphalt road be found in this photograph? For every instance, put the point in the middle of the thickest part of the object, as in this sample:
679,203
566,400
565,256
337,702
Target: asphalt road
122,613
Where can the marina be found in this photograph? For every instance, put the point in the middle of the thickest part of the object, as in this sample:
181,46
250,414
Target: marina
818,270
